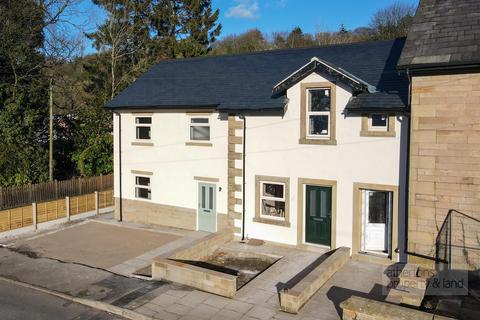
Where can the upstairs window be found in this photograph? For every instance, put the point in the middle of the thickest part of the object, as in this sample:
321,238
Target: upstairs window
378,122
142,188
378,125
199,129
143,128
318,113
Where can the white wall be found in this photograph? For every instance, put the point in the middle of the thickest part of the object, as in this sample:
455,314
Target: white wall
173,163
273,149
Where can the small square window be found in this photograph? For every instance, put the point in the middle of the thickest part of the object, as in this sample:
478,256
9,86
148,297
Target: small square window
142,188
199,129
379,120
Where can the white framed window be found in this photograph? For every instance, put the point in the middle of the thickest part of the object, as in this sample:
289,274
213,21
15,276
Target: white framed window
199,129
272,200
318,112
142,188
143,128
378,122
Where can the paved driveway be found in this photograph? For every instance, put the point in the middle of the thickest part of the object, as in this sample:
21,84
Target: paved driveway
96,244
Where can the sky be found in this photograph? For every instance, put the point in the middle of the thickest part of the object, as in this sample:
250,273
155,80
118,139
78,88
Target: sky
237,16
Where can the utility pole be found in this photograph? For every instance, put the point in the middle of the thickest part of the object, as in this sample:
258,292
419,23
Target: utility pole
50,149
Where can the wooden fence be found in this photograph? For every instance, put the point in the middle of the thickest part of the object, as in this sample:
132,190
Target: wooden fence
14,197
24,216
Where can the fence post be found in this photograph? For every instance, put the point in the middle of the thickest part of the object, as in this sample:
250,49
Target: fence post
96,203
34,212
9,219
67,206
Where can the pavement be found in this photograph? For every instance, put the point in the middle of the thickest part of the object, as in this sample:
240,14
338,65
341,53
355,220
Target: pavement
29,262
17,302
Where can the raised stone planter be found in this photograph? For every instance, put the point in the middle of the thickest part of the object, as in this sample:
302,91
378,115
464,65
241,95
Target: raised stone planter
197,277
169,268
292,299
357,308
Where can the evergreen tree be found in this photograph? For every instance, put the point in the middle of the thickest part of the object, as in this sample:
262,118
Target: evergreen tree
23,93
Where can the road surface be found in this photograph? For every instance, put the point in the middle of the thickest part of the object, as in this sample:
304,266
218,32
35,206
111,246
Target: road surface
18,302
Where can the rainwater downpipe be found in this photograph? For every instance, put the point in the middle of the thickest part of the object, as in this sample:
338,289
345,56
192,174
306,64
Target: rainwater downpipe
407,179
407,165
120,209
244,118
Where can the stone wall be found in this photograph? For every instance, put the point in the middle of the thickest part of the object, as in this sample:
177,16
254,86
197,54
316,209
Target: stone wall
444,160
140,211
154,213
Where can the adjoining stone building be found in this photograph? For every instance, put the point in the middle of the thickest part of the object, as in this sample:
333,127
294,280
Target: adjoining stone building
442,58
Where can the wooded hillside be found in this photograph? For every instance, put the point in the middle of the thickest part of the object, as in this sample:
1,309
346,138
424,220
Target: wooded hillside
43,72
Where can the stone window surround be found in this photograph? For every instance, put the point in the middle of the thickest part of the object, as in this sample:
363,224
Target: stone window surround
258,217
367,132
357,218
304,139
302,182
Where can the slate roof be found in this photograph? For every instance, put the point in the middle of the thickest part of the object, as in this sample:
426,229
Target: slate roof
245,82
372,102
444,33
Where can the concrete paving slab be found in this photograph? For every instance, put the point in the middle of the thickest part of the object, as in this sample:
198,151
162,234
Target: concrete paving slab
96,244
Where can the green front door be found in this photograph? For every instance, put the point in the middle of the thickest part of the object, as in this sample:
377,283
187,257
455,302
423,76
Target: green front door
318,212
207,214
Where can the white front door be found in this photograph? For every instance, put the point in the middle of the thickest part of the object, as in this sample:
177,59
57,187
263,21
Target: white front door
377,208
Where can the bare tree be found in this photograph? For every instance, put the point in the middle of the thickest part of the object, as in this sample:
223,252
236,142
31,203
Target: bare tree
60,46
393,21
117,38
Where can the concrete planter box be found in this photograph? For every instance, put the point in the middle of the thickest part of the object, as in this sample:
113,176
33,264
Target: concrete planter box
292,299
212,281
356,308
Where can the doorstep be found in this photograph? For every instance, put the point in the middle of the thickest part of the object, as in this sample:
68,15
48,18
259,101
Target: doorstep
372,258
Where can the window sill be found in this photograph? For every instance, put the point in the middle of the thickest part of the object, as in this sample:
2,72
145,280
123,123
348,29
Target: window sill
199,144
142,144
143,199
318,141
390,134
272,222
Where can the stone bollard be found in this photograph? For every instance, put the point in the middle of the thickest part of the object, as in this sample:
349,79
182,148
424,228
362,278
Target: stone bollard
67,202
34,213
96,203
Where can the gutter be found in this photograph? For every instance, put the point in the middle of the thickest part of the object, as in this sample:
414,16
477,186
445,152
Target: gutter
433,68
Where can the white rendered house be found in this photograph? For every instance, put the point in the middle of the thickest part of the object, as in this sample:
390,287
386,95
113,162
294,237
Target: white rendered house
304,147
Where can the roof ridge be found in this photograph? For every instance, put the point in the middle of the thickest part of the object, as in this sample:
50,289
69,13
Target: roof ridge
274,51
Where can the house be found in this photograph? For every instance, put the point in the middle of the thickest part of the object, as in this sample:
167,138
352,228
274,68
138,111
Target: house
442,58
304,147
